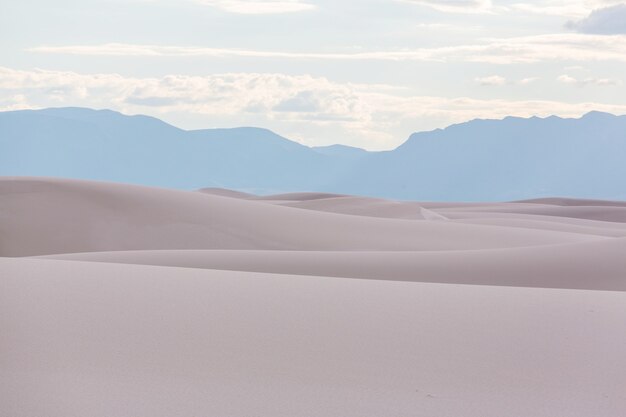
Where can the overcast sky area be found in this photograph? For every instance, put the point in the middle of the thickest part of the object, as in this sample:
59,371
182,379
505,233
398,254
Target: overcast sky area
364,73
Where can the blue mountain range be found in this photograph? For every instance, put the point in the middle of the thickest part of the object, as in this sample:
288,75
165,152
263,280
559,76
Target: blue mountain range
481,160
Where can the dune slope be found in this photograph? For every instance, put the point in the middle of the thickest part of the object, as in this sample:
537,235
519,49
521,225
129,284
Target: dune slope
592,265
96,339
46,216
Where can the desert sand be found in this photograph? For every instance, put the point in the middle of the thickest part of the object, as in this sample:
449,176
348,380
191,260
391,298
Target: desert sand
129,301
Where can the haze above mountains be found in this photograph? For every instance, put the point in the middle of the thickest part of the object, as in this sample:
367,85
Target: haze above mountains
481,160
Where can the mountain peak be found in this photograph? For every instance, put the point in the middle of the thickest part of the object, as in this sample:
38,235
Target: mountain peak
597,114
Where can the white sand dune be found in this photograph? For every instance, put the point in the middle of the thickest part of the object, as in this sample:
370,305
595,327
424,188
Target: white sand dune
593,213
598,265
128,301
586,220
560,201
601,213
226,193
545,223
360,206
303,196
102,340
45,216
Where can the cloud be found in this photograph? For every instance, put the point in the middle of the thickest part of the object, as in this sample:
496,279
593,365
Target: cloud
571,9
528,80
275,98
491,80
259,6
303,101
566,79
312,109
607,21
526,49
575,68
456,6
155,101
574,9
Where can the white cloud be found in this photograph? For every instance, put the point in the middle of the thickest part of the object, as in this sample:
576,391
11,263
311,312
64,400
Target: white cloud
528,80
608,20
456,6
526,49
598,4
371,115
575,68
491,80
259,6
573,9
567,79
437,26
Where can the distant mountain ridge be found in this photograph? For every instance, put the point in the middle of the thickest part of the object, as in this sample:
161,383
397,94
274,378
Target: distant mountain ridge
106,145
509,159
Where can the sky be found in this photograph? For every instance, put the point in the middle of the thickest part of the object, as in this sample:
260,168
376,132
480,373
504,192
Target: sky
364,73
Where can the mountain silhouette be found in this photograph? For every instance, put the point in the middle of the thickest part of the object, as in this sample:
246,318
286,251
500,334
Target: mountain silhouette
509,159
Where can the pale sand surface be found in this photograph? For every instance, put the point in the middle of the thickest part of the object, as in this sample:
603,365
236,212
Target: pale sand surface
131,301
102,340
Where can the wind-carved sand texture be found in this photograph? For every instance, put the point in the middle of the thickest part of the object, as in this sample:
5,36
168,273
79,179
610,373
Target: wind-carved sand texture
129,301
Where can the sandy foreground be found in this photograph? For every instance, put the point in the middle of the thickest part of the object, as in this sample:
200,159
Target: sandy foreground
119,300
